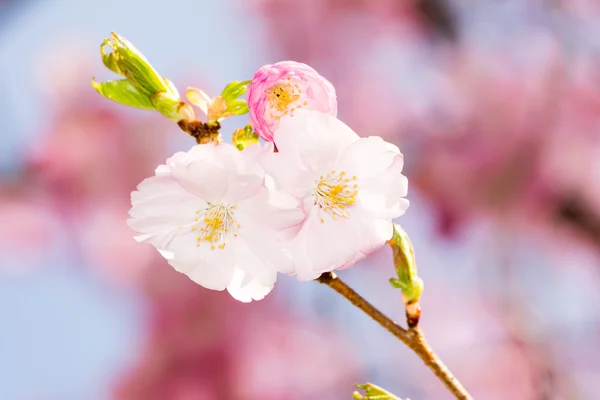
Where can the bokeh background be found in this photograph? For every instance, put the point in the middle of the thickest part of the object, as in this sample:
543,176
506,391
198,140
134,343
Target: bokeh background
496,106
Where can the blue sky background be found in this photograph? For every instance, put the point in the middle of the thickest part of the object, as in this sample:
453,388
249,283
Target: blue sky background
56,317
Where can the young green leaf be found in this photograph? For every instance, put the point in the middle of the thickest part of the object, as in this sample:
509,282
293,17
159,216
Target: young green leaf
124,92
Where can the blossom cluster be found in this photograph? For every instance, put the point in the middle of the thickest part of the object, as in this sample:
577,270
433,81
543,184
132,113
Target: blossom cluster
314,198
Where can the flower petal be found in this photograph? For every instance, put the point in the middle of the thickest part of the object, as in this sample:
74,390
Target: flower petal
153,205
369,156
322,247
215,271
198,98
199,209
268,221
299,87
252,279
313,137
374,235
249,291
287,174
245,175
270,210
383,195
200,172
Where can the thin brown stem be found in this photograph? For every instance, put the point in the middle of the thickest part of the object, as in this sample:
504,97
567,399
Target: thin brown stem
412,337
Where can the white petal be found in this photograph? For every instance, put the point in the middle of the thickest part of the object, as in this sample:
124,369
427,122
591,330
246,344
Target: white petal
211,268
368,157
332,243
378,168
274,211
336,244
214,273
375,234
256,151
220,172
273,252
252,290
288,174
162,170
156,186
252,278
383,195
177,205
267,224
313,137
160,203
244,173
235,268
205,179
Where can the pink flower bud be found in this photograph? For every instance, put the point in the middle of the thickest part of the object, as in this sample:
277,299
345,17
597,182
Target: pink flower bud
280,89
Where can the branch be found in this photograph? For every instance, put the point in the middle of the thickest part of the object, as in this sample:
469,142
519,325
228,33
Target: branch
581,217
412,337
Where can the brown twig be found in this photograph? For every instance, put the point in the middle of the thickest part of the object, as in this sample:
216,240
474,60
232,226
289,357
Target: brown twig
412,337
201,131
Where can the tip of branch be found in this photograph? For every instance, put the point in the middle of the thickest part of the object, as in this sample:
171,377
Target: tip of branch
326,277
413,315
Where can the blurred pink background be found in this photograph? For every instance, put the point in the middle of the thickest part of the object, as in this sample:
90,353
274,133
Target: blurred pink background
496,107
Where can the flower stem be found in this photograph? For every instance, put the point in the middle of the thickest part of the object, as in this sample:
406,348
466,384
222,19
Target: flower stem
412,337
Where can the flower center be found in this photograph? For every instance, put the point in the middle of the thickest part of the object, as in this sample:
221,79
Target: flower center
214,225
334,193
281,97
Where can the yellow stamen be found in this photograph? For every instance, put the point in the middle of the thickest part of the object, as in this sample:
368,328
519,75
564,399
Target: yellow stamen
214,225
334,193
281,96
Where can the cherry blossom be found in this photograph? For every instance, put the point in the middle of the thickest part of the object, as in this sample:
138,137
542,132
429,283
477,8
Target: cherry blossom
209,213
350,188
279,89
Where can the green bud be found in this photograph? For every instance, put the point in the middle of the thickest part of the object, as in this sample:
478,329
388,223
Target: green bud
244,137
166,105
123,92
125,60
373,392
171,89
406,266
143,87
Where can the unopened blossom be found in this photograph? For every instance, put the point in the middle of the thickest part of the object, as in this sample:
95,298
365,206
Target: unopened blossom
209,213
280,89
350,188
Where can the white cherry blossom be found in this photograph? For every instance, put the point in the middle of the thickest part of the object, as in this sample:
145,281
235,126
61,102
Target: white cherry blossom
210,214
350,189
